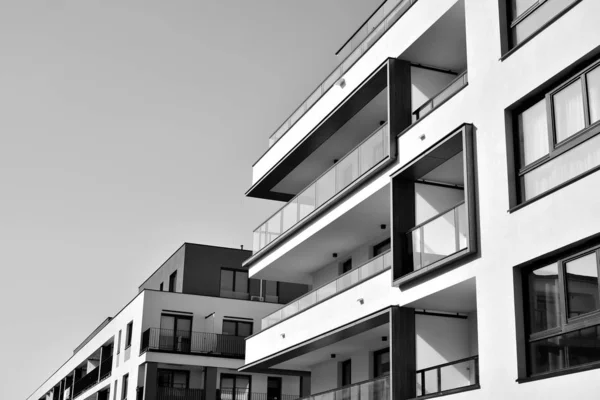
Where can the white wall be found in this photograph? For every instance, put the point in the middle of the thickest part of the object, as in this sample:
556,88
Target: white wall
426,83
431,200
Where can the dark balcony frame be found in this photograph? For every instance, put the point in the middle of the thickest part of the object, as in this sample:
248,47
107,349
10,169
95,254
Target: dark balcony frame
438,368
403,221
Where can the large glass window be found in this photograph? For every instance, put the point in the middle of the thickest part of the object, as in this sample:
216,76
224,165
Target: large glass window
235,387
559,147
237,328
234,284
173,378
527,17
563,307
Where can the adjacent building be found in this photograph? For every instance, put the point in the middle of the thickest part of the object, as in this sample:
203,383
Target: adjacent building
181,337
439,195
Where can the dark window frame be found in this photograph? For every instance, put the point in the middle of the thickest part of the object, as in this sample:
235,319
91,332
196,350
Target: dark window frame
566,324
556,149
381,245
235,272
346,366
124,386
161,287
119,342
376,355
171,371
237,326
129,335
173,281
344,264
234,377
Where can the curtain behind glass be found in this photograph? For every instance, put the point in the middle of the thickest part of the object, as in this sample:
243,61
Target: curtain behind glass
533,127
568,111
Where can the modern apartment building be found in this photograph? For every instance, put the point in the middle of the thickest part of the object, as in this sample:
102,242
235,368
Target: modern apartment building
181,337
440,195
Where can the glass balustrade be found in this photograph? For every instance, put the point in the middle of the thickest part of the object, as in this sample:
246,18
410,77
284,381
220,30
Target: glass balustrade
460,82
439,237
375,389
357,163
343,282
382,20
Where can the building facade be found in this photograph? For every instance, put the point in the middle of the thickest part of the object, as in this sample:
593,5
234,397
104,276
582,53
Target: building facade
181,337
439,195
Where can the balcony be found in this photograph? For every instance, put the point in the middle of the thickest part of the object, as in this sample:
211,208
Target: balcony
439,237
453,377
244,394
186,342
453,87
355,165
384,17
342,283
375,389
169,393
93,377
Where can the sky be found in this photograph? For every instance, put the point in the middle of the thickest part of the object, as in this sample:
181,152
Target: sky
127,128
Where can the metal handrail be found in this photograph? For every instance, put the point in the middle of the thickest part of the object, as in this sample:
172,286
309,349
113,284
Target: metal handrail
383,128
340,69
384,256
188,342
439,215
385,380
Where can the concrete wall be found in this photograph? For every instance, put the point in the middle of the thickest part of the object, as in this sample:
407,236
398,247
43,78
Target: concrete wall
162,274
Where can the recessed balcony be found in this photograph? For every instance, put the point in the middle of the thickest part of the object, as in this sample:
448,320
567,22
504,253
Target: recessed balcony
187,342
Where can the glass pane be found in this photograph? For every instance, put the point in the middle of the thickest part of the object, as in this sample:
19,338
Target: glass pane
564,167
167,322
274,227
593,83
256,240
520,6
448,92
563,351
325,187
180,380
582,285
244,329
463,226
306,201
533,128
326,291
290,215
347,170
431,382
289,310
458,375
544,309
331,79
382,363
416,248
226,382
228,328
439,238
349,62
227,280
307,301
241,282
242,382
371,152
347,280
539,17
568,111
374,36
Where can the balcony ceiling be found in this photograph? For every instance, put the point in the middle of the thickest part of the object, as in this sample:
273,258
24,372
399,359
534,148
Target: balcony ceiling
370,340
358,226
460,298
451,172
444,44
365,122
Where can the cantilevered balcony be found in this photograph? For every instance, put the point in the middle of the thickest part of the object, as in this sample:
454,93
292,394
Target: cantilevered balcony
357,164
361,41
186,342
437,100
344,282
452,377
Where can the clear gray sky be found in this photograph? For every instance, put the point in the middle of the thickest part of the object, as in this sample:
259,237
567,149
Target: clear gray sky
126,128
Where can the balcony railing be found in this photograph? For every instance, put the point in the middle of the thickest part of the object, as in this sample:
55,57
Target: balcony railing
382,20
455,376
86,382
439,237
169,393
343,282
376,389
106,368
188,342
243,394
460,82
354,165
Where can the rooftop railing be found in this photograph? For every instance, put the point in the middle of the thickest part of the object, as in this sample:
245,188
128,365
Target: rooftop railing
354,165
439,237
447,378
453,87
187,342
375,389
343,282
382,20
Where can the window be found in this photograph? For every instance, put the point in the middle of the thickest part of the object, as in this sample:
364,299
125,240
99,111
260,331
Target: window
129,335
124,386
381,363
119,343
527,17
173,378
346,371
382,247
562,313
173,281
346,266
235,387
234,284
237,328
115,395
175,333
161,287
557,135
